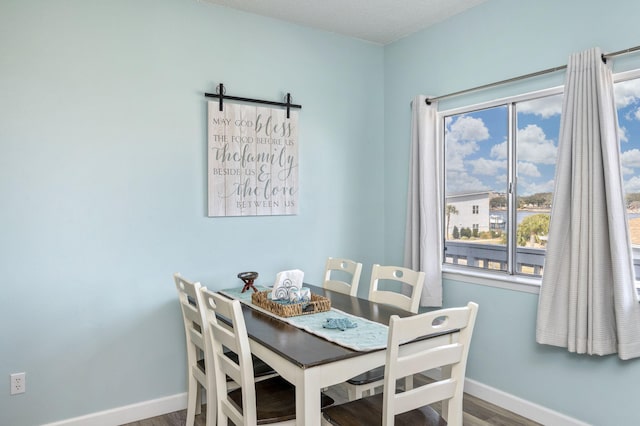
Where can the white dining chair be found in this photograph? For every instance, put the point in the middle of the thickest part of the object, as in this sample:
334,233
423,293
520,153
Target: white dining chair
410,279
195,332
271,401
413,408
195,326
413,282
342,275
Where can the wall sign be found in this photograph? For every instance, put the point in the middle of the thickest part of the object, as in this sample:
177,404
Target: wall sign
252,161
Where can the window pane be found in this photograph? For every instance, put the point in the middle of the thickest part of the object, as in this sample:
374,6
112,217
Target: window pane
538,128
627,94
476,182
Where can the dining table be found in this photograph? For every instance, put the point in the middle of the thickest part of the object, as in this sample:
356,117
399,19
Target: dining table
312,363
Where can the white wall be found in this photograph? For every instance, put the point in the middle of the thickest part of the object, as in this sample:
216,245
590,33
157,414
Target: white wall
103,184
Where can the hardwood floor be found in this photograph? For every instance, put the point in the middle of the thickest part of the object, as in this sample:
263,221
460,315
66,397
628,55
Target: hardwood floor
476,413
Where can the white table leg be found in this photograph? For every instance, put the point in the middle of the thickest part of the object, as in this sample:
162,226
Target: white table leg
308,399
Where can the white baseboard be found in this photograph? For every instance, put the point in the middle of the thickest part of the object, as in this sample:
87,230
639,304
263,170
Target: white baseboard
129,413
160,406
517,405
520,406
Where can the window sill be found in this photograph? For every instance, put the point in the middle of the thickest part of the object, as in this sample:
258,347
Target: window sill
508,282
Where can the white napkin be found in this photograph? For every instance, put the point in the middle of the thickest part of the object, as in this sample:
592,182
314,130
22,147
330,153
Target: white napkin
285,282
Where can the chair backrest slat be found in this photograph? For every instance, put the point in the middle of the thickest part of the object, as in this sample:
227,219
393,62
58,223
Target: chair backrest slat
433,322
427,395
232,411
192,313
197,338
344,267
231,369
429,359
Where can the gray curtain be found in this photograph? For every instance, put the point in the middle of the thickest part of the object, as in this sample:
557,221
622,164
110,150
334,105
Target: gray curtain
588,302
423,232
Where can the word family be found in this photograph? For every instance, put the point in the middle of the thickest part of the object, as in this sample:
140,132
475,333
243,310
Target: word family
253,161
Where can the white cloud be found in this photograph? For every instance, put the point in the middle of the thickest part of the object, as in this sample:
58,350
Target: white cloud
534,147
627,171
627,92
544,107
484,166
460,181
622,134
462,149
462,135
528,169
630,158
529,188
447,121
467,128
632,185
499,150
456,153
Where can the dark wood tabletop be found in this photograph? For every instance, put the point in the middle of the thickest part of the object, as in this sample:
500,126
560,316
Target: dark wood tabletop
305,349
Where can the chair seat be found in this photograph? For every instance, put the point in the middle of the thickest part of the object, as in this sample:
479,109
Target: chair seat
368,412
260,368
370,376
275,400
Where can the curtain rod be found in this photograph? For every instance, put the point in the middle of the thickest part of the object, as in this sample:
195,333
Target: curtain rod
605,56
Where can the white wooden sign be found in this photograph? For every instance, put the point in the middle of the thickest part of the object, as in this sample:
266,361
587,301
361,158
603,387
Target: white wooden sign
253,161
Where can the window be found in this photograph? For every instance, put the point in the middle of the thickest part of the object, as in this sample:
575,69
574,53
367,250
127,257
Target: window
500,160
627,94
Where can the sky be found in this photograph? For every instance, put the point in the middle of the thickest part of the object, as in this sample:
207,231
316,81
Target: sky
476,144
628,103
476,147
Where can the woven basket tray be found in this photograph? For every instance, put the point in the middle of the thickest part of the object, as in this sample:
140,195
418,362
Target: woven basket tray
317,304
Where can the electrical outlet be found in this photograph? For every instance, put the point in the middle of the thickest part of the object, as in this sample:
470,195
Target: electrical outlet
18,383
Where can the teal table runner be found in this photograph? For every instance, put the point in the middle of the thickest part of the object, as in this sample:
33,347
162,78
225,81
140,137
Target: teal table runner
365,336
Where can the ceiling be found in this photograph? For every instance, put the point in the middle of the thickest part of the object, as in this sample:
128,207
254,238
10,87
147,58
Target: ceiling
377,21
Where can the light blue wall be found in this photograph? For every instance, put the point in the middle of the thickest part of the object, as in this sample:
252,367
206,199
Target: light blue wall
103,184
498,40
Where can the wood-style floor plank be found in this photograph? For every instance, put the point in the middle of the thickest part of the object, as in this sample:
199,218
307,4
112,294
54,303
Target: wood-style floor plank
476,413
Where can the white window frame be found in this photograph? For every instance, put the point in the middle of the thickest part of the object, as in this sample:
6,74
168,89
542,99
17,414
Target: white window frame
500,279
